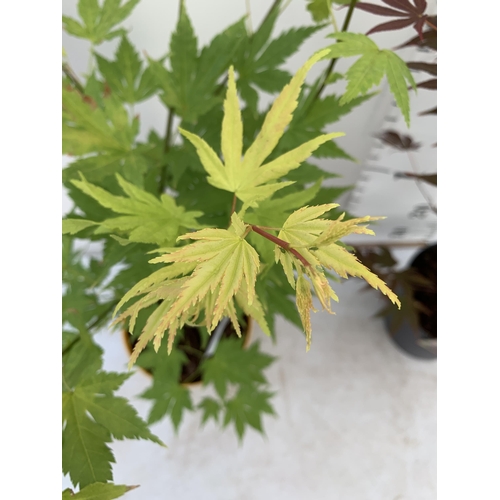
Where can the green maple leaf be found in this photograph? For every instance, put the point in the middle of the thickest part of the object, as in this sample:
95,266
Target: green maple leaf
87,390
98,21
125,76
168,395
207,274
257,60
169,399
98,491
190,85
232,364
246,409
369,69
146,218
211,409
88,128
316,240
248,178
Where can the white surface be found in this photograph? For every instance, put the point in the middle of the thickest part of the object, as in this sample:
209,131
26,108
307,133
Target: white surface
356,421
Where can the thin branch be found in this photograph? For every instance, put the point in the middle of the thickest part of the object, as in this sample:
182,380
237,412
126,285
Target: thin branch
166,149
283,244
249,17
233,207
73,78
329,70
71,344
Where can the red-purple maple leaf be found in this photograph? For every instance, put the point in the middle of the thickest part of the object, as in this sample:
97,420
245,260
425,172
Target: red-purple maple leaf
409,14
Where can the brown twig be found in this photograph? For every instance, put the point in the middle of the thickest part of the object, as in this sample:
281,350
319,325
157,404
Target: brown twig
283,244
72,76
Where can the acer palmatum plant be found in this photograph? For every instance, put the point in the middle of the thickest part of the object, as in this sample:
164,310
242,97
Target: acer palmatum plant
221,219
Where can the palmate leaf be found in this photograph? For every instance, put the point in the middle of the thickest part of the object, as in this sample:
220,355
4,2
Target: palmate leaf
408,14
98,21
315,239
248,178
232,364
258,58
146,218
169,397
98,491
211,409
369,69
87,128
209,274
87,390
124,75
246,409
190,85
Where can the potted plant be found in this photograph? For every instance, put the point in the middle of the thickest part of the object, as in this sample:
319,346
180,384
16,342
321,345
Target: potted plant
219,221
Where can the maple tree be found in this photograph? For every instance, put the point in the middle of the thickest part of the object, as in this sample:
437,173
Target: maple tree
246,228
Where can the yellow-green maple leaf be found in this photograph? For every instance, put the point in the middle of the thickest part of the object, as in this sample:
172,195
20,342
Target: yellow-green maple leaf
203,276
315,239
249,178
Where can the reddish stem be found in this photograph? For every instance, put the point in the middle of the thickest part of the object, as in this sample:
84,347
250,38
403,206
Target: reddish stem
281,243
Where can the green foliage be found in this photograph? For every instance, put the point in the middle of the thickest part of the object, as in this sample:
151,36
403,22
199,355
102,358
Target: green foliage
99,20
246,409
258,58
320,9
235,365
124,75
88,391
369,69
190,85
98,491
147,219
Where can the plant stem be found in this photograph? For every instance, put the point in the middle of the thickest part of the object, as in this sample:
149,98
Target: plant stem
233,207
190,349
71,344
329,70
166,149
283,244
431,25
249,17
275,5
74,79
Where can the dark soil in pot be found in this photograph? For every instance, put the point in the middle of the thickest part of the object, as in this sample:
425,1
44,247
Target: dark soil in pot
191,344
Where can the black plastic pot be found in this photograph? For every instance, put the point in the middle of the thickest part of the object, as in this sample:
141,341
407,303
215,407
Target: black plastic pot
421,343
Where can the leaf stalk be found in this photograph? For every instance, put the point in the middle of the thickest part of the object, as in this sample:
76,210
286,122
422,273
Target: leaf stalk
283,244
